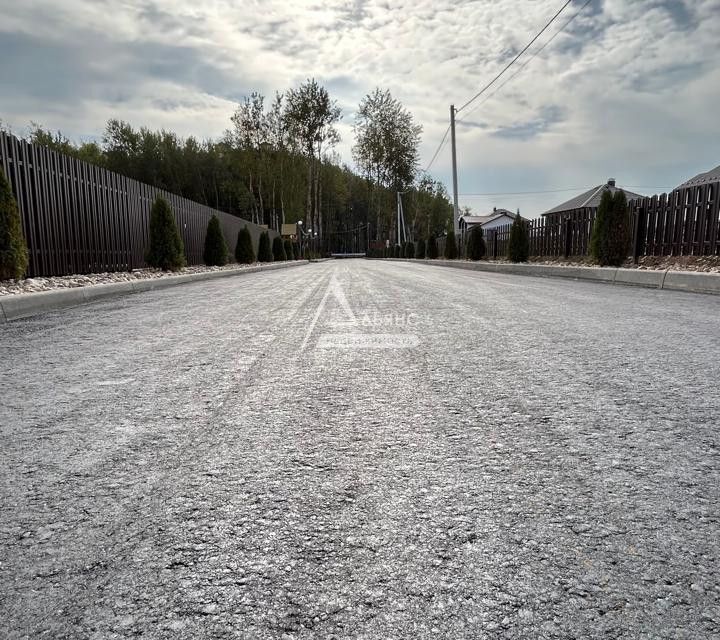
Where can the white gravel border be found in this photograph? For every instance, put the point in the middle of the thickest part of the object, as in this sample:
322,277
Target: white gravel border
33,285
24,305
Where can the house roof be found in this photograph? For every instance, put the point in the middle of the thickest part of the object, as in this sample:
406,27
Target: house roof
591,197
702,178
497,213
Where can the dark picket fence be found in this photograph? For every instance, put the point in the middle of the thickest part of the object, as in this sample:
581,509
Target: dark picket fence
685,222
80,218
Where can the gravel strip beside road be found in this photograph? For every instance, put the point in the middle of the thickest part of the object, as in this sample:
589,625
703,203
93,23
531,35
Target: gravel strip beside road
33,285
543,463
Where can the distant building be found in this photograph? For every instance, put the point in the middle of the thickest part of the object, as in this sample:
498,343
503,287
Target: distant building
498,218
289,231
589,199
709,177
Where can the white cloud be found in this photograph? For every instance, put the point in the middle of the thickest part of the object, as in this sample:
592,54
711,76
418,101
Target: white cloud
629,91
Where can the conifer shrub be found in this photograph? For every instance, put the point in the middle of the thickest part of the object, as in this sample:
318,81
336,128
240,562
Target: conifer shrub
610,238
519,241
476,243
420,249
289,254
215,253
166,251
13,249
432,248
451,252
278,250
620,236
409,250
398,251
265,253
244,251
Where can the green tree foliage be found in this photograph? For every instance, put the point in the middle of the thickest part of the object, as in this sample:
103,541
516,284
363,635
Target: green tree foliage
278,250
13,249
215,253
265,253
166,251
476,243
610,238
519,242
386,149
432,248
451,252
420,249
275,164
289,253
310,117
244,252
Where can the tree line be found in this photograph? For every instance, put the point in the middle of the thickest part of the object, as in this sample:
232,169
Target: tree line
277,163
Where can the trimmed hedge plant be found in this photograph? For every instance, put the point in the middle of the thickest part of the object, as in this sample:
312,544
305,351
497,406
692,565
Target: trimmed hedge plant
166,251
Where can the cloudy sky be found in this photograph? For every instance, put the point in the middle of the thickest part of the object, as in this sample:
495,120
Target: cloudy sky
630,90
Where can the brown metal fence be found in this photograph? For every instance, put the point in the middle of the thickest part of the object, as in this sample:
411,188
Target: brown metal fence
683,223
80,218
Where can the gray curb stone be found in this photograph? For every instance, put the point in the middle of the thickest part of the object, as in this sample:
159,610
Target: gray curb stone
26,305
690,281
638,278
694,282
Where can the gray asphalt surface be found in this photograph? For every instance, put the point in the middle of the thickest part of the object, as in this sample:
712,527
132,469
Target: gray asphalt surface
360,449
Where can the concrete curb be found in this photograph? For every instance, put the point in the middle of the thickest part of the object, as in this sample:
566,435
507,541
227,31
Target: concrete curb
26,305
689,281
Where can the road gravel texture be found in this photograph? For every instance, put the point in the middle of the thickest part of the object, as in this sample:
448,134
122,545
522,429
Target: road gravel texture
363,449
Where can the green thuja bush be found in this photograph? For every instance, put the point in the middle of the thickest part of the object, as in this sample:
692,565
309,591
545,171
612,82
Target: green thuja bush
265,253
13,249
610,238
410,249
289,254
420,249
432,248
278,250
215,253
244,252
476,243
519,242
451,252
166,251
620,236
398,251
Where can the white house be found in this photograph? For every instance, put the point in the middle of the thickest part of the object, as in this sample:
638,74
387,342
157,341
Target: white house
498,218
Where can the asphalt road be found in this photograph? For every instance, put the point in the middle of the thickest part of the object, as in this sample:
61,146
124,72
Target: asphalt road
360,449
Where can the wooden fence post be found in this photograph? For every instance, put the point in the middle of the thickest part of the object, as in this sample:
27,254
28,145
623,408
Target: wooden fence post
639,234
567,231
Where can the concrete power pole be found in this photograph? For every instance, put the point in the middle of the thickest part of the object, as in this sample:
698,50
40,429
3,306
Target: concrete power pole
456,222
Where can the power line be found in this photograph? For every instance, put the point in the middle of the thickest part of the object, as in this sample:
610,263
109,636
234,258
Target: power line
557,33
528,61
514,60
532,193
437,151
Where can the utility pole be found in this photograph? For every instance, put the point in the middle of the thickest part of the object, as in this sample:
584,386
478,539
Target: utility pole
456,222
398,219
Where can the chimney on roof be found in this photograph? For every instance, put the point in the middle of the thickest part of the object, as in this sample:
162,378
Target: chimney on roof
611,182
494,209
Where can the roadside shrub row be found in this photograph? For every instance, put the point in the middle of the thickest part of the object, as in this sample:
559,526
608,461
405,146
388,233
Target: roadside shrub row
609,241
167,252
